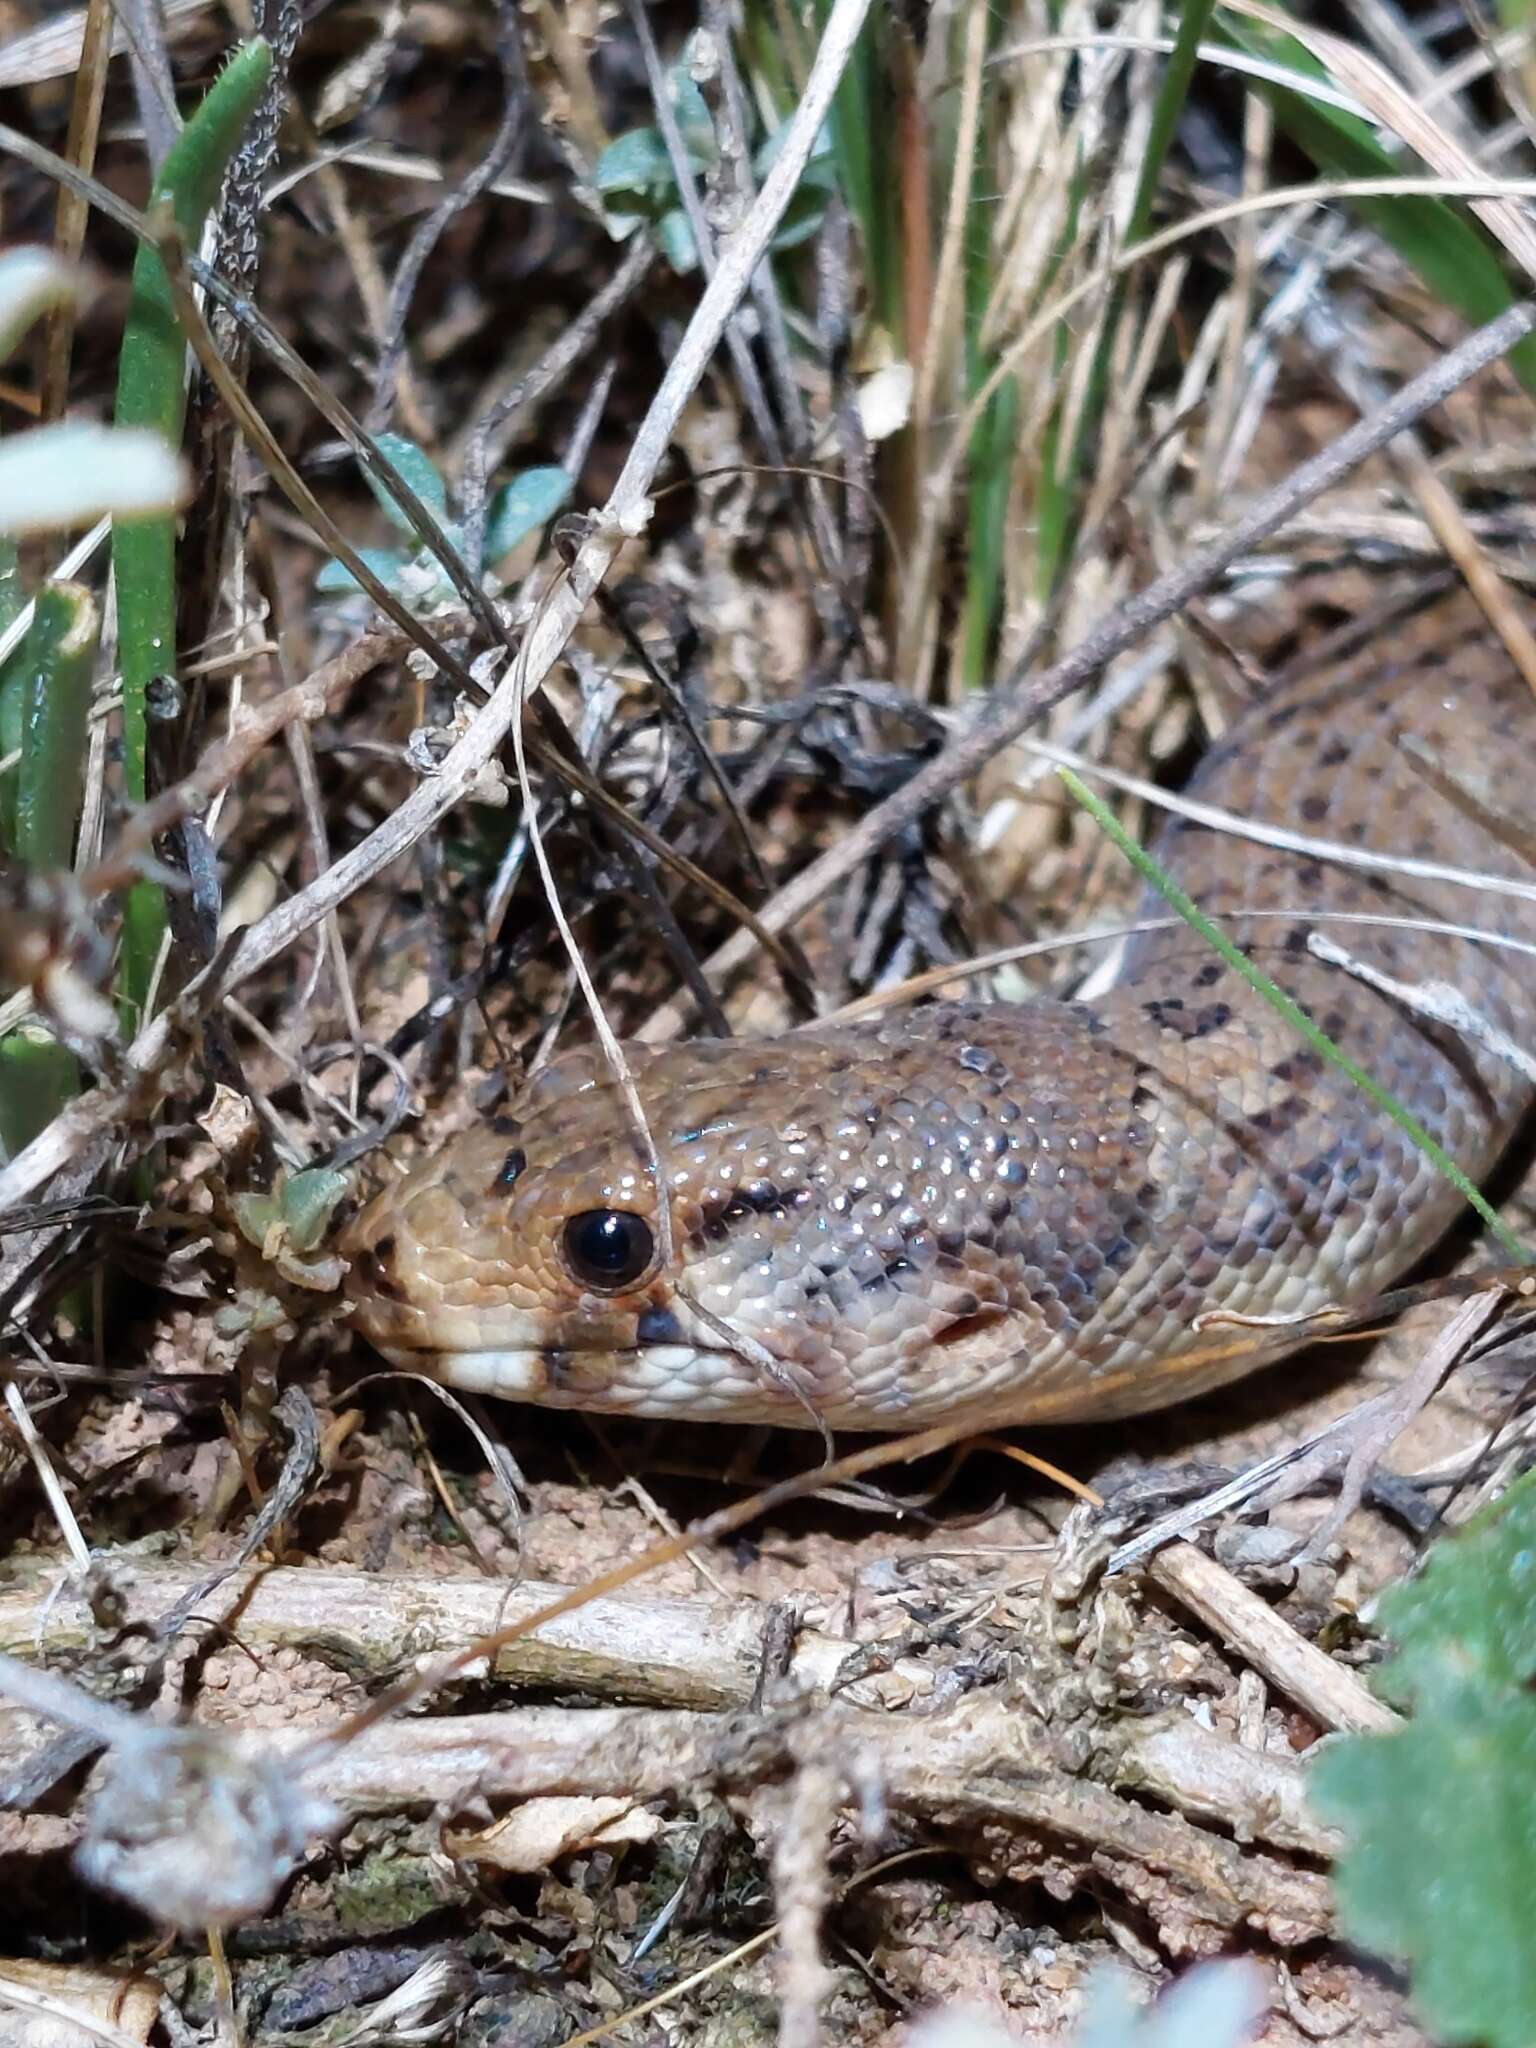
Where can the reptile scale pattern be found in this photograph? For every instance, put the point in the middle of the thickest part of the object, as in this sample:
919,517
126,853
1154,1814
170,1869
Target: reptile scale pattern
1023,1212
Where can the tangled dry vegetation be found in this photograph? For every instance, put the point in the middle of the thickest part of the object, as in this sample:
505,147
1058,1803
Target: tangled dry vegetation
880,1739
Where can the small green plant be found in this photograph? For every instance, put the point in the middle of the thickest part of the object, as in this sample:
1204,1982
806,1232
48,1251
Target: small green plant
1440,1871
638,187
530,500
288,1222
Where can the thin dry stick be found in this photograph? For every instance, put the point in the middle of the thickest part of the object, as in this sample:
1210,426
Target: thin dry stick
48,1478
1330,1693
607,1038
73,211
1237,826
743,362
1388,1421
1437,501
946,287
1011,709
490,434
624,515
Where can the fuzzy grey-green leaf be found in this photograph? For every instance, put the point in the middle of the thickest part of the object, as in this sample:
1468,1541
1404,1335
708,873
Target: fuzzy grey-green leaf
1440,1872
417,469
532,498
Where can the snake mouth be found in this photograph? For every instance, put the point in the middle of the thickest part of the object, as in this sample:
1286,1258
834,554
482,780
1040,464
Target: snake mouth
660,1381
555,1376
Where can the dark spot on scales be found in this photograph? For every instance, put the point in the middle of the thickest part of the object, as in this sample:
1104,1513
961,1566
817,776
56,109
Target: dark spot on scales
511,1167
658,1326
893,1268
506,1126
1212,1018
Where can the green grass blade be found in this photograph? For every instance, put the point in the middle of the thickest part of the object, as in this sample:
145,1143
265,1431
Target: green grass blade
865,168
151,392
1056,484
994,446
1286,1007
38,1076
50,680
1172,92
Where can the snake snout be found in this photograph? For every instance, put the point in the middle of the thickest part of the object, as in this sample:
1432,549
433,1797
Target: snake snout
382,1308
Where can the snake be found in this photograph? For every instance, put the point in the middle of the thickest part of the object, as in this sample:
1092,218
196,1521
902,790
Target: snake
1049,1210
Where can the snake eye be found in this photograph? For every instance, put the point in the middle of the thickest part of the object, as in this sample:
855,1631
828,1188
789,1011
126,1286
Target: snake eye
607,1248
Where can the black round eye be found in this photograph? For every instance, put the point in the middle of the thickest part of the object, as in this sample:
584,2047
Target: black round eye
608,1248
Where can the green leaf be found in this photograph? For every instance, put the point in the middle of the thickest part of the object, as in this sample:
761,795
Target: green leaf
529,501
38,1076
416,469
677,244
46,693
386,564
1440,1873
307,1203
821,166
692,111
1469,1620
637,163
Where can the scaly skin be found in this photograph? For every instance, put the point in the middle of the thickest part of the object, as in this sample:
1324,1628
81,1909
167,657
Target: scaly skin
1018,1213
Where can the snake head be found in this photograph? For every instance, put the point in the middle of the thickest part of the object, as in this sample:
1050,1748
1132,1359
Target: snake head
815,1202
533,1234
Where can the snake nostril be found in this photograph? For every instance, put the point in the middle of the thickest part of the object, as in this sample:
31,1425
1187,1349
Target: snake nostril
374,1263
658,1326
